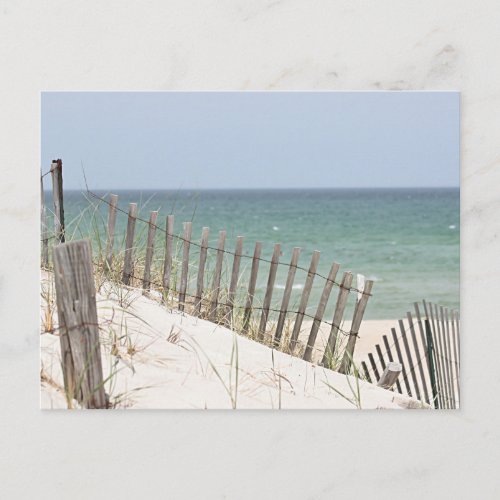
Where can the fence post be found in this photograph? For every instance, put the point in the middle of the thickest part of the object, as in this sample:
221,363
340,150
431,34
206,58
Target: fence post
234,280
185,265
390,375
391,359
201,271
79,331
269,291
432,372
286,295
129,244
303,301
57,195
111,231
167,266
217,274
359,311
251,286
150,248
44,229
320,311
342,297
400,358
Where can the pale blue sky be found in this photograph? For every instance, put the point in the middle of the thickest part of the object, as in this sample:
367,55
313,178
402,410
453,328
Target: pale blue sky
201,140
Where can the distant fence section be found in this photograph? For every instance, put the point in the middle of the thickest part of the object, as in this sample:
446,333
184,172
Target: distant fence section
427,345
216,300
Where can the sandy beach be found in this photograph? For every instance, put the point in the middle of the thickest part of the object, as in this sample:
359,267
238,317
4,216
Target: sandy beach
158,358
370,333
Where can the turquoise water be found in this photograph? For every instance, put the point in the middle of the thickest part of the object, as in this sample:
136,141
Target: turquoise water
406,240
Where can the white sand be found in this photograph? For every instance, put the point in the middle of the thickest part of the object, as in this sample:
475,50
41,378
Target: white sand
169,360
370,333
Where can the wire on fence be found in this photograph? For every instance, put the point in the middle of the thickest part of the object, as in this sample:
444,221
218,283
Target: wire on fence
228,252
206,302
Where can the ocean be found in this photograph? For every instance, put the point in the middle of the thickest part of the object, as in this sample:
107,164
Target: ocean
406,240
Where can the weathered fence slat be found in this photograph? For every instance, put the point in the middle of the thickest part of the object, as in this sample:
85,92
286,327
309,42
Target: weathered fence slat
374,366
44,228
359,311
429,312
286,295
57,195
233,284
439,354
201,271
453,354
390,375
188,227
416,350
342,297
269,291
366,372
423,338
391,359
318,317
129,244
400,358
169,250
150,248
303,301
432,371
446,327
214,299
455,351
380,356
251,286
79,331
411,364
111,231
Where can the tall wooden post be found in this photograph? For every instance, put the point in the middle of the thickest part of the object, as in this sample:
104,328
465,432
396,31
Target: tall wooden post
57,195
44,230
79,331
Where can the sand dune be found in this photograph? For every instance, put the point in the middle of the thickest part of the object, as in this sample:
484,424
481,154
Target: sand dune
158,358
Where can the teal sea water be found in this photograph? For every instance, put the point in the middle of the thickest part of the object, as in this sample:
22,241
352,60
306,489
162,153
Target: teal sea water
406,240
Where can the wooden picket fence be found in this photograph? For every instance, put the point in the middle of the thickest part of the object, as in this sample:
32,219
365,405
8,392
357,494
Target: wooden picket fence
216,301
428,348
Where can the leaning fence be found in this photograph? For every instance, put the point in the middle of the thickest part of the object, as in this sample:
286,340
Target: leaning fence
428,348
208,297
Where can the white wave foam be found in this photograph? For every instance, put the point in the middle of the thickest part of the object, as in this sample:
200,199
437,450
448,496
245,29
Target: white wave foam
298,286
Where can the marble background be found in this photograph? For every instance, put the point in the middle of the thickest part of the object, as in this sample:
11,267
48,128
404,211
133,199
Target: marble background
243,44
